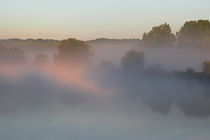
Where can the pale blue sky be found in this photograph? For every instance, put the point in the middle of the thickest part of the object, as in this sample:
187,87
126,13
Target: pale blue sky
89,19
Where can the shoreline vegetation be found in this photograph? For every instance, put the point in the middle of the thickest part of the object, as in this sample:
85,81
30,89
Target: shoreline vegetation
157,87
192,35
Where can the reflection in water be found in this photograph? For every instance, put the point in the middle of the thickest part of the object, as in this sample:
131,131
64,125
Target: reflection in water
53,102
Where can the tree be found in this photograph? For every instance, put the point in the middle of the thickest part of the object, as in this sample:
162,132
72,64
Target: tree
160,36
11,56
189,71
133,61
194,34
2,49
3,53
41,59
16,55
73,51
154,69
206,67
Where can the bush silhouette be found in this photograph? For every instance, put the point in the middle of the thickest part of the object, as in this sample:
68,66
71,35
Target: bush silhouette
133,61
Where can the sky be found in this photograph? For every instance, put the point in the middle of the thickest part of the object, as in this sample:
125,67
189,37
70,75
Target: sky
90,19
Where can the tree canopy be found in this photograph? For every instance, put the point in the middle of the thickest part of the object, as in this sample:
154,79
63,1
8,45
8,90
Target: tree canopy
72,50
206,67
11,56
194,34
159,36
41,59
133,61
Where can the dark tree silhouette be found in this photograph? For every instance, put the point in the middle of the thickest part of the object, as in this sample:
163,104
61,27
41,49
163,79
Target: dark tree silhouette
160,36
16,55
206,67
41,59
195,34
73,51
11,56
2,48
190,71
133,61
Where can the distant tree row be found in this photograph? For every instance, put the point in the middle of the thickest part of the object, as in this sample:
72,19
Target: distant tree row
11,56
134,61
191,34
72,51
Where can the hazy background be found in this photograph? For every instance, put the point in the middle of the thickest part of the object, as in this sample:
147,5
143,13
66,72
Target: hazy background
90,19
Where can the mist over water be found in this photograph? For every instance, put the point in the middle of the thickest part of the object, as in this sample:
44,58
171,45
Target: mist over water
51,101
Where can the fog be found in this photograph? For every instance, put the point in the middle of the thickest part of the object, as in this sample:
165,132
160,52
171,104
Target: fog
170,59
176,58
101,100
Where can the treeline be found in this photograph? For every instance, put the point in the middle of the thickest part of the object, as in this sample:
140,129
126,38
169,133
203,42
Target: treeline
134,63
11,56
114,41
77,52
194,34
73,50
32,44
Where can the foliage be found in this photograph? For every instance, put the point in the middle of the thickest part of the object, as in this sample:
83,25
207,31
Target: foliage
73,50
206,67
190,71
194,34
32,44
11,56
2,48
41,59
133,60
155,69
160,36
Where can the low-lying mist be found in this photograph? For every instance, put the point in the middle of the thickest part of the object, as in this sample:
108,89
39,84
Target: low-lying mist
104,95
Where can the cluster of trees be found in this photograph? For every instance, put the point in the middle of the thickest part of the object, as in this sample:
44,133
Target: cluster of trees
160,36
107,41
206,67
11,56
17,56
32,44
191,34
73,51
134,61
41,59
